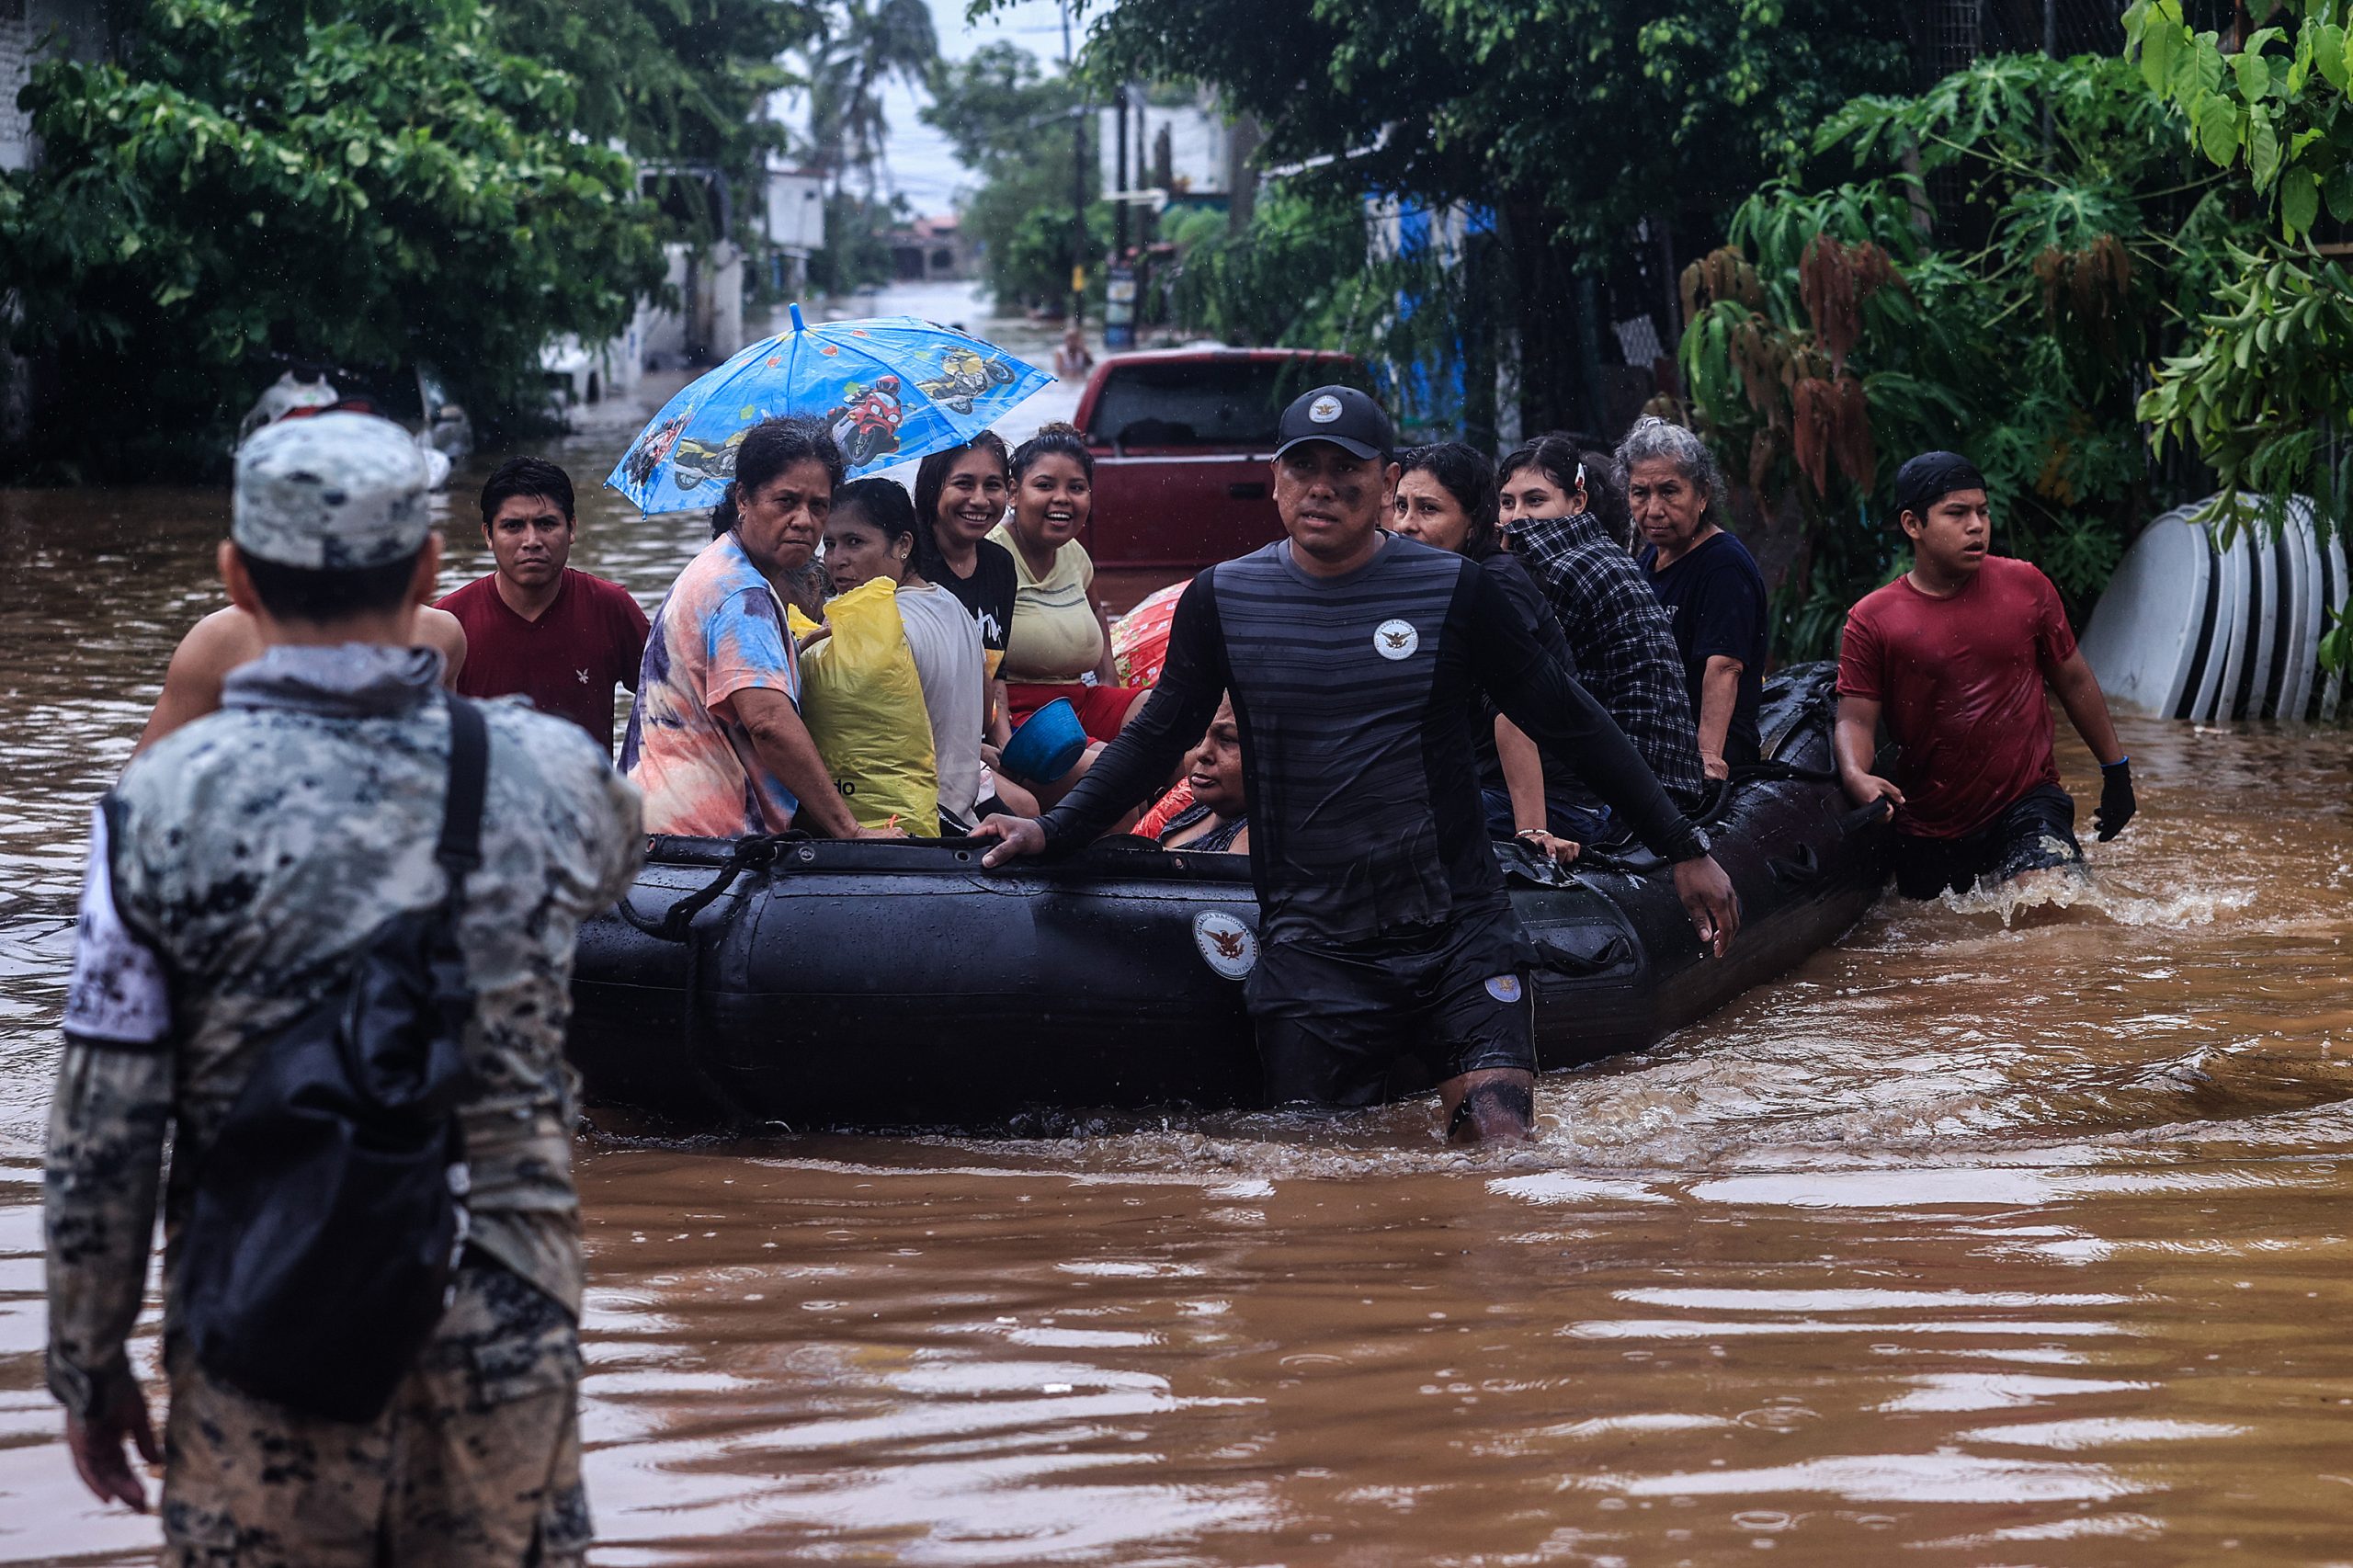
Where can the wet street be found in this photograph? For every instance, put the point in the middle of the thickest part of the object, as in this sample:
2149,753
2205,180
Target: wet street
1973,1241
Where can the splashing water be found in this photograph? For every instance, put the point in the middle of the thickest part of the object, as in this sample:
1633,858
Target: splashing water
2037,894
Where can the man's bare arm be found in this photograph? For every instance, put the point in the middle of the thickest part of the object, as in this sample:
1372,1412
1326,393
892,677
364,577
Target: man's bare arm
1856,739
213,647
2086,705
227,638
445,635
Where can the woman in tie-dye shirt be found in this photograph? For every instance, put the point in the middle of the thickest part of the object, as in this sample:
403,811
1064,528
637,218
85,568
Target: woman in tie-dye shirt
715,738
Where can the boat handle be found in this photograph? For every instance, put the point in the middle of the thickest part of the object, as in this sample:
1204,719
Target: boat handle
1801,865
1561,960
1866,816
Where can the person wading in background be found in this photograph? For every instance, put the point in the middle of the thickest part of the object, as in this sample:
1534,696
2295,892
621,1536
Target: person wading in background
1954,656
1350,655
236,874
536,628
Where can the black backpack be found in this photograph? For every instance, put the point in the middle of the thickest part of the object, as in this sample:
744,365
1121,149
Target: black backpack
328,1212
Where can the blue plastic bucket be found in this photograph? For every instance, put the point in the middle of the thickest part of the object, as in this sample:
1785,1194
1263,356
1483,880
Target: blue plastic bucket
1046,745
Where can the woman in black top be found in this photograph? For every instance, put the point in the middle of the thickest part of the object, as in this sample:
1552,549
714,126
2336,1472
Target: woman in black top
1713,593
961,495
1447,498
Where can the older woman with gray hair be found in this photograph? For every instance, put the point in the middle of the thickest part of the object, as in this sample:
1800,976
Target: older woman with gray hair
1713,593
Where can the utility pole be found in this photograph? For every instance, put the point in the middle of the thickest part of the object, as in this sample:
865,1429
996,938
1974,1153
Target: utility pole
1077,186
1119,164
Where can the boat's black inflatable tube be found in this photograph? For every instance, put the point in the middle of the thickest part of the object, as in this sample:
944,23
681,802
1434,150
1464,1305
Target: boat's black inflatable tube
875,984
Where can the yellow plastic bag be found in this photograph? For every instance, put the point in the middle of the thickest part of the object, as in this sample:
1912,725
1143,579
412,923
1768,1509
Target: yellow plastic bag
863,703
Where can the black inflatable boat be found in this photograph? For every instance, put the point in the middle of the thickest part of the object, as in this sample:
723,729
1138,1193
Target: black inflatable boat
826,984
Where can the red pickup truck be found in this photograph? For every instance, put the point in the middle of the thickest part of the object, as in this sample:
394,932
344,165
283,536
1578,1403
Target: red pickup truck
1181,439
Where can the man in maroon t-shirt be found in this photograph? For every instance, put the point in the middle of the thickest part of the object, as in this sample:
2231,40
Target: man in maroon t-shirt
1953,655
535,627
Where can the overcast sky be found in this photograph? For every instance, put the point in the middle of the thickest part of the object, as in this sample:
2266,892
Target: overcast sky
921,162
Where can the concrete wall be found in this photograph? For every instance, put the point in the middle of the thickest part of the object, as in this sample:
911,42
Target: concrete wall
78,27
28,28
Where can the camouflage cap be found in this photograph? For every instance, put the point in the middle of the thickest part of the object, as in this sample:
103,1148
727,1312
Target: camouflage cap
331,492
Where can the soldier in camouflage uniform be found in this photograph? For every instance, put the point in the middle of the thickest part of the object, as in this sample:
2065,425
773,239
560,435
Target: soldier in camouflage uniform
235,871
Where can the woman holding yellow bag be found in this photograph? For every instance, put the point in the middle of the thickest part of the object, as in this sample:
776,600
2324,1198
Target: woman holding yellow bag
895,681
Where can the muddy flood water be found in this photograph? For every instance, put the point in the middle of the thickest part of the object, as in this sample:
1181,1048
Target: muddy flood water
1966,1242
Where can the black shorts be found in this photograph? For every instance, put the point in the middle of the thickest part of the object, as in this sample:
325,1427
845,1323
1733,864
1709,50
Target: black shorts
2033,832
1350,1024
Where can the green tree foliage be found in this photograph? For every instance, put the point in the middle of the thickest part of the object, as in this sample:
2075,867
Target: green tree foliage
1571,119
376,187
2260,389
2273,107
674,83
1850,323
1011,125
858,47
862,45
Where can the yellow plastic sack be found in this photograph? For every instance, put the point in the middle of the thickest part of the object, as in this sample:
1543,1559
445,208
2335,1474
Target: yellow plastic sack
863,703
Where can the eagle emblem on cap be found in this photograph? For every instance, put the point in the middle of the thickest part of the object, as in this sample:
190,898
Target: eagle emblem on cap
1323,409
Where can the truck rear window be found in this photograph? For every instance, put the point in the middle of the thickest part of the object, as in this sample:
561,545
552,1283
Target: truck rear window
1223,405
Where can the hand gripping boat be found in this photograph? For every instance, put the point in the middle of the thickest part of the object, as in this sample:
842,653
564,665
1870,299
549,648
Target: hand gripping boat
827,984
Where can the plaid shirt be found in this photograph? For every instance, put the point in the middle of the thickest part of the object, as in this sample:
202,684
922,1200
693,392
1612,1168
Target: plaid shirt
1624,641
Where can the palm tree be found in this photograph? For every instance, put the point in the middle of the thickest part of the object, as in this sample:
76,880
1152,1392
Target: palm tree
865,43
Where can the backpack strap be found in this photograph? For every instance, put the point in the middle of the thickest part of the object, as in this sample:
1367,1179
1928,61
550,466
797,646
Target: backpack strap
459,850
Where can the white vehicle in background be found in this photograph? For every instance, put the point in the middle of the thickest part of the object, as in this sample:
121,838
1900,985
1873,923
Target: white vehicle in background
443,431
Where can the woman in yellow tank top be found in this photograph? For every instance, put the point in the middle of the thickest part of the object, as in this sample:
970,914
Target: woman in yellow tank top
1060,644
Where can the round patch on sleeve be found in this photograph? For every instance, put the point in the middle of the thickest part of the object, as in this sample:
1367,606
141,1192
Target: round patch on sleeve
1395,639
1504,988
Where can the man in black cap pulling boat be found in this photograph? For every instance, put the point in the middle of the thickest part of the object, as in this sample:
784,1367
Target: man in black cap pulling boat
1954,656
1349,653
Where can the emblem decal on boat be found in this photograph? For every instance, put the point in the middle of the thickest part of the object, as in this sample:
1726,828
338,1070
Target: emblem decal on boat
1227,945
1395,640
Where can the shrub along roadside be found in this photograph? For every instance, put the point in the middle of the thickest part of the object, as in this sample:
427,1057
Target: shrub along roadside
373,191
1968,286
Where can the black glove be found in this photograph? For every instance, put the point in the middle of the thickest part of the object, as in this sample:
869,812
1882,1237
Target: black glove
2116,803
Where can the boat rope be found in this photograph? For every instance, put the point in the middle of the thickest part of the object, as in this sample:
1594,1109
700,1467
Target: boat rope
748,854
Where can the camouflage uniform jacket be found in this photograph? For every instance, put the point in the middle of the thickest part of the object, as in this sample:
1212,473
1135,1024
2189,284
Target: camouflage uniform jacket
235,871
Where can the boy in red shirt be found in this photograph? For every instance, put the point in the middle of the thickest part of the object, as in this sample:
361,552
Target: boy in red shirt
1953,655
535,627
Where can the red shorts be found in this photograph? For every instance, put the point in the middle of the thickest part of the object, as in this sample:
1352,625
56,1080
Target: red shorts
1101,708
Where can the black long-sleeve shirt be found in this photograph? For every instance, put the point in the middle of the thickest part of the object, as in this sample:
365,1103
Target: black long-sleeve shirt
1352,696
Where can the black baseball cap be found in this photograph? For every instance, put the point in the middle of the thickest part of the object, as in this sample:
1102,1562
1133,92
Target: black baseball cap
1342,415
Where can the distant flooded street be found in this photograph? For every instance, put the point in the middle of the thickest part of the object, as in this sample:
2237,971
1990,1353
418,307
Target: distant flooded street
1966,1243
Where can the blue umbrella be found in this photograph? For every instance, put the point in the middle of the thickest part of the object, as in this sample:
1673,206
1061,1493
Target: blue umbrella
891,388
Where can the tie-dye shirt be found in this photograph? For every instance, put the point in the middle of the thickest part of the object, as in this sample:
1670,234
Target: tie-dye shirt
721,630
